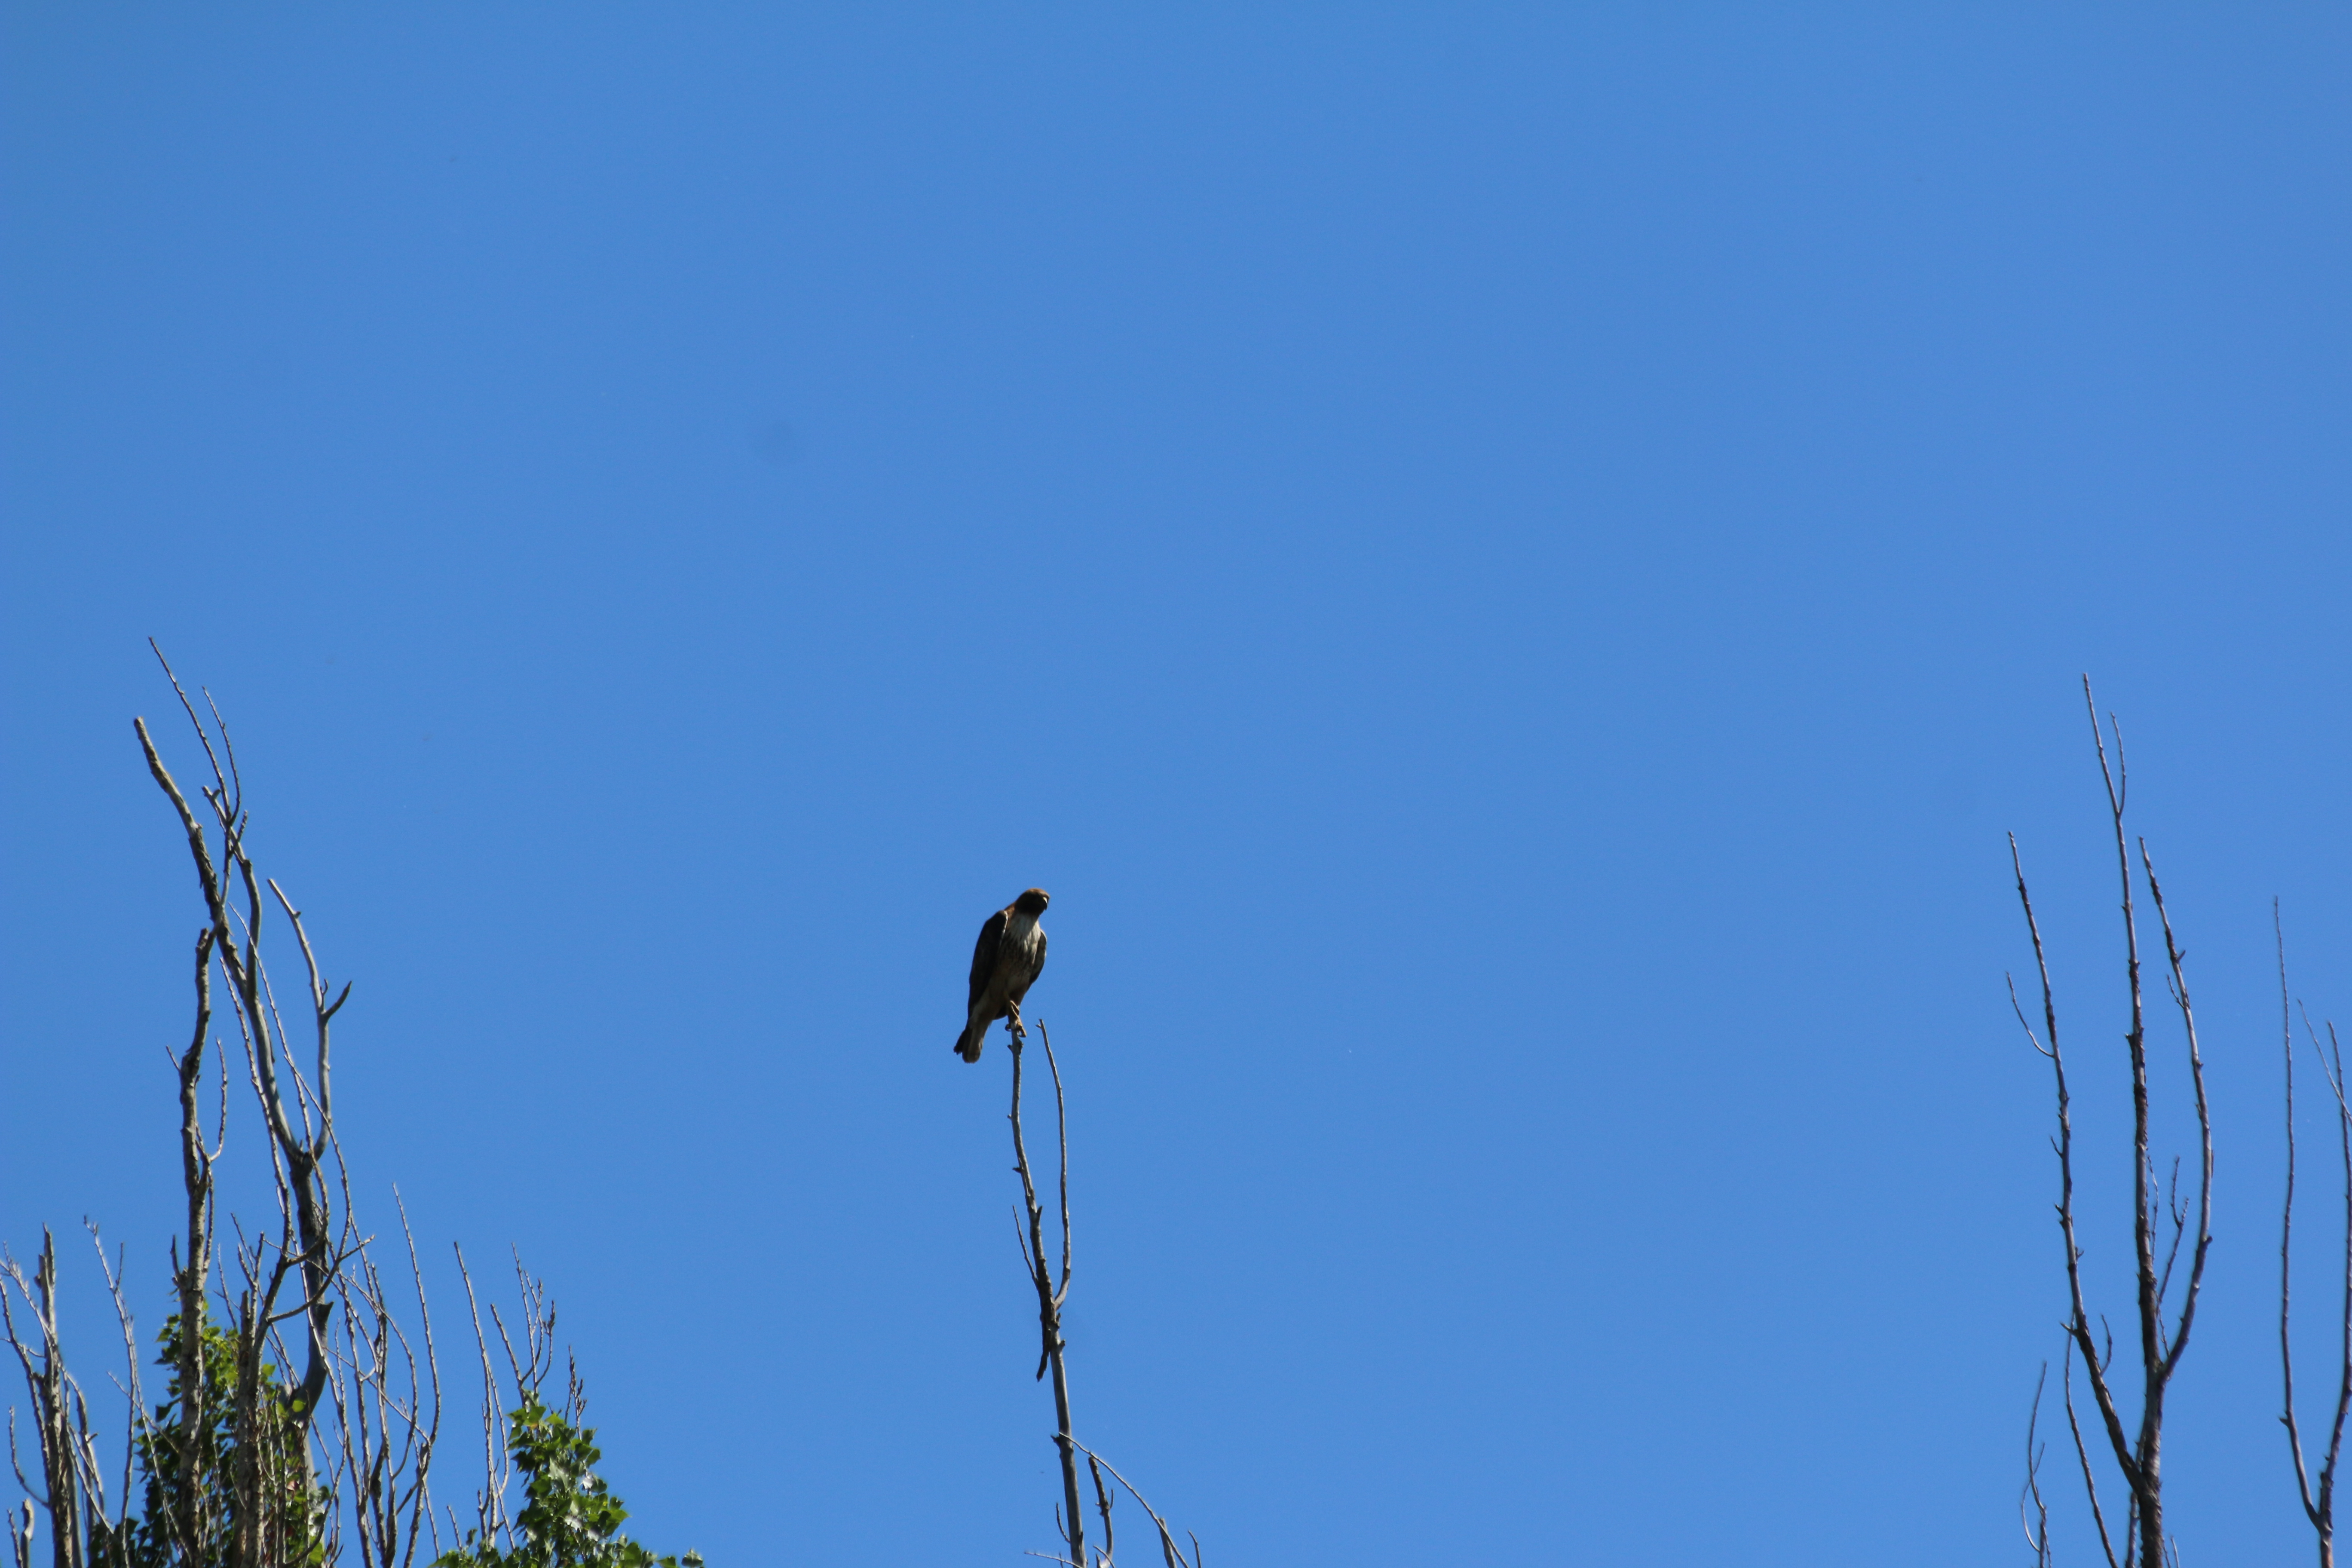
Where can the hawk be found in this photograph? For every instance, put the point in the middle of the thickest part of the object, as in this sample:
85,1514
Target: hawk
1005,963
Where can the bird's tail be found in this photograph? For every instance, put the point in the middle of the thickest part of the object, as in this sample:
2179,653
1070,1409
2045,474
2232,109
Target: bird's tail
968,1043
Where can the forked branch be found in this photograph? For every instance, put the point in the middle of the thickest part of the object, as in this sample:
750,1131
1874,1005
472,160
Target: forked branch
2135,1449
1053,1290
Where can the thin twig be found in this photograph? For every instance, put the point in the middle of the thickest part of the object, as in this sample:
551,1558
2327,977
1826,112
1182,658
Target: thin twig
2032,1510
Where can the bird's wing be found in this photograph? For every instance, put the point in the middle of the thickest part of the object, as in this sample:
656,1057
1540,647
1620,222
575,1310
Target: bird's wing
983,956
1030,979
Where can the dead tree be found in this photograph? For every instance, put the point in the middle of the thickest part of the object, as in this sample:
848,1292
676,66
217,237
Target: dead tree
300,1141
2319,1500
245,1466
1052,1288
68,1458
2134,1441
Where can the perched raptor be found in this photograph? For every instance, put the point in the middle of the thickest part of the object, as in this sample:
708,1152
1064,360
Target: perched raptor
1007,962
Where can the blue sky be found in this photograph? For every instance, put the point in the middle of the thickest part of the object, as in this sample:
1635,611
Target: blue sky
1510,568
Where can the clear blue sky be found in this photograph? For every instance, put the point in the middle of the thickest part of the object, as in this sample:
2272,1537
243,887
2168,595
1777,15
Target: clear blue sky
1509,568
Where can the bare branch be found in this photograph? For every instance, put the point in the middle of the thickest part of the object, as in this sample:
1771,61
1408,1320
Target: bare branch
52,1399
496,1461
2162,1343
1102,1506
2083,1456
204,736
1062,1132
2174,959
1167,1538
2344,1346
2032,1511
323,1009
1049,1298
2287,1240
2318,1506
2078,1322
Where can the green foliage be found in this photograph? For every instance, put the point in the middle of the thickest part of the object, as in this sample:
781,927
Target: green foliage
232,1484
569,1517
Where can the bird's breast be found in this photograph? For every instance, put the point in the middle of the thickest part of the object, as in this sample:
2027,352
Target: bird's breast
1021,942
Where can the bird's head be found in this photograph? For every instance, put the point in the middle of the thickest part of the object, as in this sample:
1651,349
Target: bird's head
1033,901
